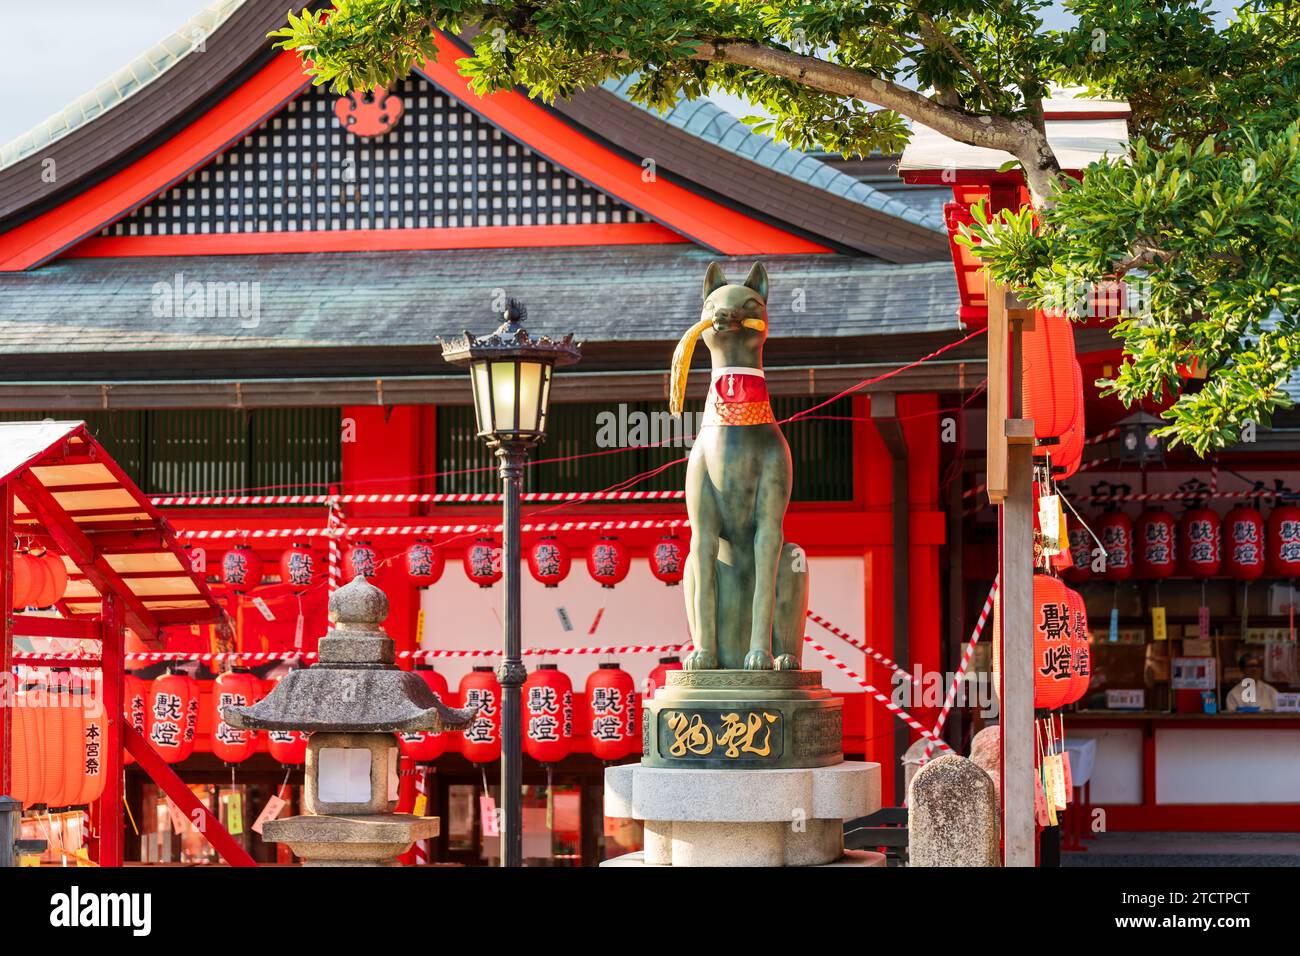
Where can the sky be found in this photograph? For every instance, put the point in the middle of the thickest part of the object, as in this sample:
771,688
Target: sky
52,52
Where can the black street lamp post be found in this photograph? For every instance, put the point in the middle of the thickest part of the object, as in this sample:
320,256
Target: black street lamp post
511,374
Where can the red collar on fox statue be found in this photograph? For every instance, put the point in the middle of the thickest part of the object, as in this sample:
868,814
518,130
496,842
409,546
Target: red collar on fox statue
737,396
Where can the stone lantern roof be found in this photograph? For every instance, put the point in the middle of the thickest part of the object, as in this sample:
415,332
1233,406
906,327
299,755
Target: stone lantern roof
355,686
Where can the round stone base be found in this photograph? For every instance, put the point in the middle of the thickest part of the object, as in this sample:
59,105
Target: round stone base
850,858
743,817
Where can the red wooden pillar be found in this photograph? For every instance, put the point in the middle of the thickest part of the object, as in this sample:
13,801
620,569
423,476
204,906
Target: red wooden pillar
112,650
7,639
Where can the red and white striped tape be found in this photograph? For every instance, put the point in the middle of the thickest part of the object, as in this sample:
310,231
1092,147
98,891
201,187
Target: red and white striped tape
216,501
869,651
421,847
1178,496
388,531
334,529
967,653
893,708
79,658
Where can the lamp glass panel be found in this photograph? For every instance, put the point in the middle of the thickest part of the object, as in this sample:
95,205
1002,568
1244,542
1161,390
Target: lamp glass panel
343,775
545,405
503,396
483,396
530,396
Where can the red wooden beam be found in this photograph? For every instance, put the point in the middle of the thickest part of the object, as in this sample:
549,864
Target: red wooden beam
200,816
27,625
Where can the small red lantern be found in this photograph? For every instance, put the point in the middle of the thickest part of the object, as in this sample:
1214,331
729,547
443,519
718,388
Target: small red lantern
1154,544
1048,394
659,676
423,563
668,560
481,740
1243,543
1115,530
53,583
1199,549
1053,643
421,745
483,562
288,747
613,718
28,574
549,560
173,716
361,559
241,569
1080,554
1283,535
298,568
234,689
607,561
548,714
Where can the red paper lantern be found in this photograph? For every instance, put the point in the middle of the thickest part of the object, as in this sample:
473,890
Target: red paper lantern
237,689
483,562
613,717
62,745
1200,552
1068,455
548,714
421,745
659,676
1080,652
481,740
298,568
28,575
241,569
361,559
1115,530
173,716
135,708
1243,543
1049,391
668,560
288,747
1080,554
607,561
1283,536
53,583
27,724
423,563
1053,644
549,560
1155,544
93,776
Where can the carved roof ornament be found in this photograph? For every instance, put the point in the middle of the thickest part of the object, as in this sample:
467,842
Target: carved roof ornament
511,340
369,113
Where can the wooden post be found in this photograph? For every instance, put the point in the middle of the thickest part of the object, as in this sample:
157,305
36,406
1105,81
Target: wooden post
995,467
112,662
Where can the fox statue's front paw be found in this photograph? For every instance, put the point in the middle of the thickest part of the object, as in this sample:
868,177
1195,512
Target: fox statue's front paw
698,660
786,662
758,660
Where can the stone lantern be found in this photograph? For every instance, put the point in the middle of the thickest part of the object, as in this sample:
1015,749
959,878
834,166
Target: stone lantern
351,702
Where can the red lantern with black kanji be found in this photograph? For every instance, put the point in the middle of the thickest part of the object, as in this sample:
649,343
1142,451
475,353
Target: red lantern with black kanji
549,560
1199,548
173,716
1115,529
92,773
287,747
423,746
135,708
548,714
362,560
668,560
1243,543
234,689
1155,550
423,563
483,562
481,740
1081,664
241,569
659,676
1053,643
298,568
607,561
1079,553
1283,537
613,715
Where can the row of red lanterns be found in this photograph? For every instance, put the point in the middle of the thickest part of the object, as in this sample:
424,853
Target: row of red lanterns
1199,544
549,561
57,743
40,580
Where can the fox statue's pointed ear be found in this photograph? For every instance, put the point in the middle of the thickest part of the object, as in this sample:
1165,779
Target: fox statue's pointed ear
713,279
757,280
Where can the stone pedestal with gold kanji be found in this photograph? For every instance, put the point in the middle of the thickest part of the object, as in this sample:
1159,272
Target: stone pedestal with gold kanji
743,768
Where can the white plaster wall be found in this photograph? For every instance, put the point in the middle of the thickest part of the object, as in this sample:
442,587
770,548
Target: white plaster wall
1228,765
1117,773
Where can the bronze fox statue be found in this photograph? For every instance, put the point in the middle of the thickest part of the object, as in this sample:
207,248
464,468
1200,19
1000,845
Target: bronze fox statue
746,588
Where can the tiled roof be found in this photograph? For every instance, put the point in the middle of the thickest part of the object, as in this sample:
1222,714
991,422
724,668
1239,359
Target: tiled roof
330,300
713,124
130,79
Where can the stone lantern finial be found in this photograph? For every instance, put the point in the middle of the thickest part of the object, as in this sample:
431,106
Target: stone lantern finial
358,605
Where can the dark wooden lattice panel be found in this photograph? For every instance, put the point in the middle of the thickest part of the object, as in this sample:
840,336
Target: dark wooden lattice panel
440,167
